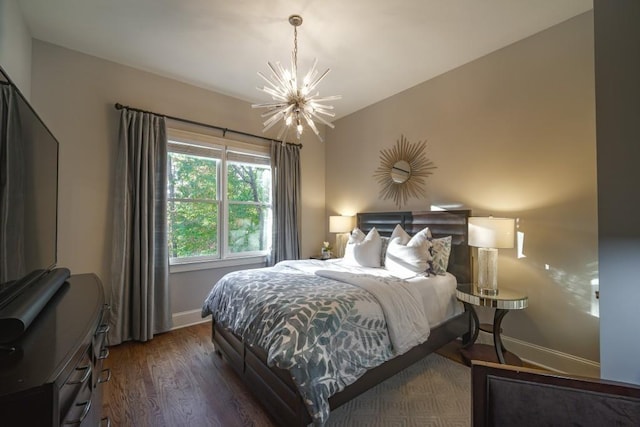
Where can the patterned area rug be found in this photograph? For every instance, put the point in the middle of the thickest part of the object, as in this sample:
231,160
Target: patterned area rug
432,392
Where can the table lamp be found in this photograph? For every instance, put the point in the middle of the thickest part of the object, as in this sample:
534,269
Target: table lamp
489,234
342,226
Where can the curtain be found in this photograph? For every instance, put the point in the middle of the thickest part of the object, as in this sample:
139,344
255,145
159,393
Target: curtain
12,264
285,181
140,300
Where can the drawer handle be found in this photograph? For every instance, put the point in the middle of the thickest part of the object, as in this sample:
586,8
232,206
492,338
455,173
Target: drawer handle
102,379
104,353
107,420
85,412
102,329
84,378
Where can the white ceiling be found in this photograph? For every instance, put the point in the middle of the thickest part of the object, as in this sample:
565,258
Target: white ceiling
374,48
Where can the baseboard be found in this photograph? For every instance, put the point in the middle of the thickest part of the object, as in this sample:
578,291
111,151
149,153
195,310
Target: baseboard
188,318
547,358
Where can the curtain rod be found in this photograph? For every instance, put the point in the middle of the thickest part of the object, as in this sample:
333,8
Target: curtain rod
119,106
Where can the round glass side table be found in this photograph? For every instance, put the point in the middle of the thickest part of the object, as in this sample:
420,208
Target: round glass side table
503,302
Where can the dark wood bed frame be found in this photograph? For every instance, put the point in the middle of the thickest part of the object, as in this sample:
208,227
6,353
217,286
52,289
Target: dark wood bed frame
274,388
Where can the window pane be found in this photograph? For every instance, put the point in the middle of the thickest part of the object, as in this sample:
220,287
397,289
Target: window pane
193,229
192,177
249,228
248,183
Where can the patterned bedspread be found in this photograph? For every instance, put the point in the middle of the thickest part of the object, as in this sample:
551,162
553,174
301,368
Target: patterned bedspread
327,333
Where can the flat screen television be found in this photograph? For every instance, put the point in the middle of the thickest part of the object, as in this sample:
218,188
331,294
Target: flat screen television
28,201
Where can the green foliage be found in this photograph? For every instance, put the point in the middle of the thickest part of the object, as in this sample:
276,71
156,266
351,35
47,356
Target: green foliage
194,208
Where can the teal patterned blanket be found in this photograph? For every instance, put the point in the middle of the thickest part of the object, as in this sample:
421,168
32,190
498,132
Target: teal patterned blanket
326,332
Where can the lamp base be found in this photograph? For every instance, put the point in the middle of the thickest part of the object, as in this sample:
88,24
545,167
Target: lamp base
488,271
341,242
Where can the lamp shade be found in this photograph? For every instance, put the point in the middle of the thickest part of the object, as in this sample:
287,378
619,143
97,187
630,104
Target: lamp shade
490,232
340,224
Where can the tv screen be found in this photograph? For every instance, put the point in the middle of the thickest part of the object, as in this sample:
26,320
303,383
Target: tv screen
28,191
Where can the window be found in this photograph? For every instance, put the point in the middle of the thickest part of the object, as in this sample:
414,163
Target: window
219,199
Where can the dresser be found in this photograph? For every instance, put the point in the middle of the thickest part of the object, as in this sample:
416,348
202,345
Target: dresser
53,375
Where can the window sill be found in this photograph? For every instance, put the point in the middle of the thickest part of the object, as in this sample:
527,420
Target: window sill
219,263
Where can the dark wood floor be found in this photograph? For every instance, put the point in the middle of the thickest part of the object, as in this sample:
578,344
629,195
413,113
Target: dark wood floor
177,380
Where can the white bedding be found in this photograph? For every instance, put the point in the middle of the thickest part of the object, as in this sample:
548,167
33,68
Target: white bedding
438,291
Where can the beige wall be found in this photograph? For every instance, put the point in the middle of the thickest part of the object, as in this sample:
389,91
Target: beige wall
511,134
15,46
75,95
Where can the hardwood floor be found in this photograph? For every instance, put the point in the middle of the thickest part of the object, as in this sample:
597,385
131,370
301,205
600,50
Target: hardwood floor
174,380
177,380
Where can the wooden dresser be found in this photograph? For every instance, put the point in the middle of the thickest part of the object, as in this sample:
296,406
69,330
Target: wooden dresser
54,374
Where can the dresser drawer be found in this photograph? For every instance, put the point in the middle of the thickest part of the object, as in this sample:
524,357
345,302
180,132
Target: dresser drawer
81,410
79,378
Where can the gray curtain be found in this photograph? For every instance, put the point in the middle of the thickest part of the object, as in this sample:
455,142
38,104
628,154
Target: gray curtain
285,181
140,265
11,187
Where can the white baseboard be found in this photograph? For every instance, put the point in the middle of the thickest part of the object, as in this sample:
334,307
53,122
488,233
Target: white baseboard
547,358
188,318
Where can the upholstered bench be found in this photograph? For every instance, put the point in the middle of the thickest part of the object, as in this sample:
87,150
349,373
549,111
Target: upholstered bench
504,395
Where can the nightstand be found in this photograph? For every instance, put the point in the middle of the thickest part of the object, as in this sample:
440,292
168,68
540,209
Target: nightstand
505,301
319,257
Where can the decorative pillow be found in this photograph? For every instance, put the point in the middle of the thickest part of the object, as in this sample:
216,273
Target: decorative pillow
440,251
408,260
383,248
405,238
399,232
363,251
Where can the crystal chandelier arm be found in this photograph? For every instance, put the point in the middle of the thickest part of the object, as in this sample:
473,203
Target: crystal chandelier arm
277,95
325,99
269,105
324,113
321,120
309,77
318,80
277,115
284,132
269,81
272,111
311,124
279,73
285,76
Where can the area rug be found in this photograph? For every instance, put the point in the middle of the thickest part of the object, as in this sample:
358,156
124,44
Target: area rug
432,392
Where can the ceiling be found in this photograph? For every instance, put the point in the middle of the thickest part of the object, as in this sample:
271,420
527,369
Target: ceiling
374,48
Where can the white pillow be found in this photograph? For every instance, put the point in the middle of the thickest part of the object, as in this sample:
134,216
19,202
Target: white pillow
400,233
405,238
406,259
363,251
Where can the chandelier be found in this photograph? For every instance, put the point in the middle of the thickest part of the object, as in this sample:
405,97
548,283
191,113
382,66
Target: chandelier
296,105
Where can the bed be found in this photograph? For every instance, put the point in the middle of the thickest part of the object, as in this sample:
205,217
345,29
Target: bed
283,392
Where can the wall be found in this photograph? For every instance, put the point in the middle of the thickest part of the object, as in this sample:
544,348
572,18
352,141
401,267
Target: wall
617,54
15,46
511,134
75,95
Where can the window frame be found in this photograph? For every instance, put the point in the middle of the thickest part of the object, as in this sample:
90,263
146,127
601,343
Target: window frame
224,258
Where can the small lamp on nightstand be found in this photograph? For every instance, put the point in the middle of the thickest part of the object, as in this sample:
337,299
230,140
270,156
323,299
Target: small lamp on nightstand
342,226
489,234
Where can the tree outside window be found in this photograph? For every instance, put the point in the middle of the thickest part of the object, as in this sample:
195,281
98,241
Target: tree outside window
212,216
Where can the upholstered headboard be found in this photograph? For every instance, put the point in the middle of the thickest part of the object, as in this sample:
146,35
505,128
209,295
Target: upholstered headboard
441,223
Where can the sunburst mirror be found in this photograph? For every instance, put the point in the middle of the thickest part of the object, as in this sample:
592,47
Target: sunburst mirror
402,171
